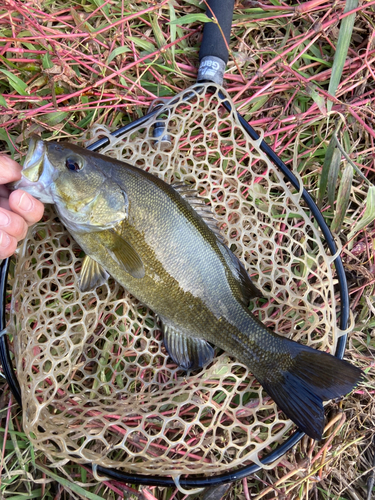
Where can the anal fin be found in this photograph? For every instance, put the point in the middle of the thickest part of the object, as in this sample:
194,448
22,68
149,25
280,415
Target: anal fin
92,275
190,353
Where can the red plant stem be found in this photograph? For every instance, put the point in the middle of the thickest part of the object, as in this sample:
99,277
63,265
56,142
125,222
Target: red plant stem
364,125
360,68
245,486
308,6
260,92
95,85
133,16
174,494
300,39
351,292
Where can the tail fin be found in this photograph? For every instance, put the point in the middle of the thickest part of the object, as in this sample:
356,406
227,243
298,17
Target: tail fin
313,377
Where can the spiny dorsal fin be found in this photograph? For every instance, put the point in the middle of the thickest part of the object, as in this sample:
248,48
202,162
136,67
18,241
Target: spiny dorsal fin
92,275
190,353
247,288
191,195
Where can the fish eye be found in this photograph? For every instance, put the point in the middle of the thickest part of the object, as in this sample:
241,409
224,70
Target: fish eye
73,163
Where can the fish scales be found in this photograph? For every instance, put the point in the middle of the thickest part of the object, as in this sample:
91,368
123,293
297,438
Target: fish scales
166,252
199,301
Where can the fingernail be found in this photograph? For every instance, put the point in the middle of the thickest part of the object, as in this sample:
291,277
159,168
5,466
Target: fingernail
25,203
4,218
4,239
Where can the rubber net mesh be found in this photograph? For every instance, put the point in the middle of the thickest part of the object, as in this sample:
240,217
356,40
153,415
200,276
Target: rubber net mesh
97,384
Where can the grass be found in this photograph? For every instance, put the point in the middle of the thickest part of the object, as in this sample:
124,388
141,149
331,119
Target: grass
65,67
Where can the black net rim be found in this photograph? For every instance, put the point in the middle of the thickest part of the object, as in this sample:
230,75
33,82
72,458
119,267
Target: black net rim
340,348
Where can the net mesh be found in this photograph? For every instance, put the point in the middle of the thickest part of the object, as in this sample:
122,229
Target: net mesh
97,384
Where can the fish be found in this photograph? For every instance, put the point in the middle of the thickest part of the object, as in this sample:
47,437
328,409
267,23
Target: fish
161,243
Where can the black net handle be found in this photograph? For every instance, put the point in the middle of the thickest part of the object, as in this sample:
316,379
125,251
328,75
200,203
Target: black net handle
215,40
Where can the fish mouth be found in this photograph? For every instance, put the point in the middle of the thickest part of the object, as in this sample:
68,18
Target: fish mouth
33,165
36,172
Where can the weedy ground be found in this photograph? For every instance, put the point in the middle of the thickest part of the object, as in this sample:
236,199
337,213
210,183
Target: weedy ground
68,65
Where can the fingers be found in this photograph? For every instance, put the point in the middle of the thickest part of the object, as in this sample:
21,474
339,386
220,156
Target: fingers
25,205
13,228
17,210
12,224
10,170
24,211
8,245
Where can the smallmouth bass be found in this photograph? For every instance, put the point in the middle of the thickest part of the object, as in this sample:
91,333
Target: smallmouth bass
161,244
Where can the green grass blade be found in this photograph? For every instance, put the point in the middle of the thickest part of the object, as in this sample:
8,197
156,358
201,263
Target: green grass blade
325,169
26,496
47,61
192,18
172,28
3,101
333,174
347,157
118,51
157,32
16,83
5,136
8,63
343,42
69,485
99,3
342,199
311,89
143,44
368,216
160,40
55,118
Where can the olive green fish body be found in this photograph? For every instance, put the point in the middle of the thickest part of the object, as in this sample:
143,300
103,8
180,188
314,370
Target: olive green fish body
188,282
159,242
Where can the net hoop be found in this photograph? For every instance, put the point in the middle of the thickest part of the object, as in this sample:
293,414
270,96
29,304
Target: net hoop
344,310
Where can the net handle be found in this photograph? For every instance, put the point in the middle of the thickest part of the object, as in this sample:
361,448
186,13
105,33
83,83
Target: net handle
215,40
213,54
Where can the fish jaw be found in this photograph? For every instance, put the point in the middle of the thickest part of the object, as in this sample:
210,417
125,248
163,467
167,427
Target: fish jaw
37,174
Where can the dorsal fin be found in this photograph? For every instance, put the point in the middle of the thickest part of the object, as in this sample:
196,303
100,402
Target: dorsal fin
191,195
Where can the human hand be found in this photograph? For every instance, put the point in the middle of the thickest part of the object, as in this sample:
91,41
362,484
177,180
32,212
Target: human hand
18,210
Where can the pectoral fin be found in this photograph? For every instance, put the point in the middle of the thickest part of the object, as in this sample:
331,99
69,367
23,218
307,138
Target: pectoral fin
92,275
125,255
189,353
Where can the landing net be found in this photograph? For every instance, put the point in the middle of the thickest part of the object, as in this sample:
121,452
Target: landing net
97,384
